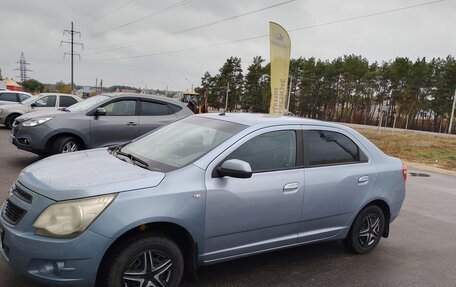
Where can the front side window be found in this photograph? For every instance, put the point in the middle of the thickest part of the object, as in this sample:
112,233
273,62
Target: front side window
46,102
9,97
270,151
66,101
153,109
121,108
326,147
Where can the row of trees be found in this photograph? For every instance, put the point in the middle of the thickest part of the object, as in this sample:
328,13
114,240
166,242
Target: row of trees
409,94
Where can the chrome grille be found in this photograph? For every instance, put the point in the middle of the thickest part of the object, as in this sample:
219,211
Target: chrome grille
13,213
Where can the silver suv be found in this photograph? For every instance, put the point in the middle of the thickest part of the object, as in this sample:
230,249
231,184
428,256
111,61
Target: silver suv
202,190
99,121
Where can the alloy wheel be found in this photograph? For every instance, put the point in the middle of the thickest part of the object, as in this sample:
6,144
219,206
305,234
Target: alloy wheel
369,232
151,268
70,146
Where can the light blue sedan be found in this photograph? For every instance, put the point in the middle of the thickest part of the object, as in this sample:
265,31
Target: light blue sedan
202,190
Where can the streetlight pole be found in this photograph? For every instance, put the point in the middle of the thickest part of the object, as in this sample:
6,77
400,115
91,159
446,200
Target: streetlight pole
166,88
289,93
452,112
190,83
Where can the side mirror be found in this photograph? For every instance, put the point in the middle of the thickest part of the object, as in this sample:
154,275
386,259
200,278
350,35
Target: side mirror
33,105
235,168
99,112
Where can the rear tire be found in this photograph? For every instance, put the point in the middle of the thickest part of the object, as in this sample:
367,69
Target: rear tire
10,120
366,230
154,260
65,144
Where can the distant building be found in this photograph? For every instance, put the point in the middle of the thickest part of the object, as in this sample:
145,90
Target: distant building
87,91
126,91
11,85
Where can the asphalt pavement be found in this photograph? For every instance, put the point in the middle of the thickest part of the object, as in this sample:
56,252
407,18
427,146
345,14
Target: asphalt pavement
421,249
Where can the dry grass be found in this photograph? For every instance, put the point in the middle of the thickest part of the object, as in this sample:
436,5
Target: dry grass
420,148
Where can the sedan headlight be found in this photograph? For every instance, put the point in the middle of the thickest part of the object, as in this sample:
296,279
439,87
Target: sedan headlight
70,218
35,122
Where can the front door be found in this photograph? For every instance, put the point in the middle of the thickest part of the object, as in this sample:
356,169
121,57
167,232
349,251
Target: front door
119,125
45,103
261,212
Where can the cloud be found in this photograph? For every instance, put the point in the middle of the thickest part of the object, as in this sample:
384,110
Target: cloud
35,27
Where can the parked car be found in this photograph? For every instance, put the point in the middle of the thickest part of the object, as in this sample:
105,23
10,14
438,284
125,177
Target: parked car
12,97
43,102
99,121
201,190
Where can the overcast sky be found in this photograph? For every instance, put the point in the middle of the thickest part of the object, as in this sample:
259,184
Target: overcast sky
36,28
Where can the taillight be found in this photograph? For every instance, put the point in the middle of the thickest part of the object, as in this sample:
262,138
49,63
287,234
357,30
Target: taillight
404,172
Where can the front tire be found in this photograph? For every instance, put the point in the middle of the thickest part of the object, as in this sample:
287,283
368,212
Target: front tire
65,144
153,260
366,230
10,120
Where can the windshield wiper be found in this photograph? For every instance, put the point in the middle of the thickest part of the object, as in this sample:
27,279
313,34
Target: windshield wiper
135,160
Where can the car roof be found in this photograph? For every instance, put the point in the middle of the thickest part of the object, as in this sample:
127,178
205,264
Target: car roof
56,94
20,92
254,119
145,96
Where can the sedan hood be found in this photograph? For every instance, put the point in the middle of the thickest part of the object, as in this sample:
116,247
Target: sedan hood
85,173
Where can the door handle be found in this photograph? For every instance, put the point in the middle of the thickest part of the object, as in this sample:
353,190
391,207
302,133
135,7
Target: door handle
291,187
363,180
131,124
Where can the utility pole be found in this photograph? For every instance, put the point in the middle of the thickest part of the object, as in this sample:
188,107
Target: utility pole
190,83
72,32
101,86
452,112
23,68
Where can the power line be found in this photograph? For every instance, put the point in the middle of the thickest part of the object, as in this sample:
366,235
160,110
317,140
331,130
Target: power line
72,32
266,35
23,68
164,35
108,13
162,10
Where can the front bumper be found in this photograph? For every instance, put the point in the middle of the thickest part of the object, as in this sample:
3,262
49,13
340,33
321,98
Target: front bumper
58,262
31,139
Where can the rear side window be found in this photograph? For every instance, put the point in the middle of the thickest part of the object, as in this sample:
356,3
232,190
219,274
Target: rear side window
326,147
66,101
23,97
9,97
174,109
269,151
154,109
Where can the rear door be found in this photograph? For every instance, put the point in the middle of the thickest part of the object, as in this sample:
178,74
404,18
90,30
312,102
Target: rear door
119,125
153,114
338,177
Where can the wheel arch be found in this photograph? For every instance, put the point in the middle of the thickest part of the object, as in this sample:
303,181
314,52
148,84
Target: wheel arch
384,206
181,236
54,137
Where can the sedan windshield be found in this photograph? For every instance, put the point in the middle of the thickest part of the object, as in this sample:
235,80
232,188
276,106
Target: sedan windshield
87,104
182,142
